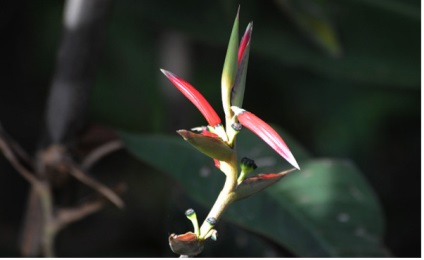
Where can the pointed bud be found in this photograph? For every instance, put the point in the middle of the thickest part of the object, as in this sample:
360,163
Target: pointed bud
230,68
237,92
195,97
211,146
191,215
257,183
245,41
186,244
266,133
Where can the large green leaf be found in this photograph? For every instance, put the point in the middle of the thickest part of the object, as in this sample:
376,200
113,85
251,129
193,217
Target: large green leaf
327,209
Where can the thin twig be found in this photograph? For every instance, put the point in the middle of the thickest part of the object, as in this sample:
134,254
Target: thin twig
66,216
75,171
101,152
10,156
16,147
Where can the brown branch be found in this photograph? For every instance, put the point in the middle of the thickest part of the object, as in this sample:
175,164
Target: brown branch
76,172
10,156
16,148
66,216
66,114
101,152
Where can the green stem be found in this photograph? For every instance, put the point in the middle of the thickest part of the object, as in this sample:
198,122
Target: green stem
226,196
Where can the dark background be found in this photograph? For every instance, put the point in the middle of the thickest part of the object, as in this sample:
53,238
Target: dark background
356,98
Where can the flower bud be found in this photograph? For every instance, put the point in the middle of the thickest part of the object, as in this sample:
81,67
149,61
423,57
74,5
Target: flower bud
191,215
247,166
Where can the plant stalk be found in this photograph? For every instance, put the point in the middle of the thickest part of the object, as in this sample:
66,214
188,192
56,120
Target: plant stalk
226,196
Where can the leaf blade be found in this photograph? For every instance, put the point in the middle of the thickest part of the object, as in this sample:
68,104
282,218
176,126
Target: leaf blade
305,229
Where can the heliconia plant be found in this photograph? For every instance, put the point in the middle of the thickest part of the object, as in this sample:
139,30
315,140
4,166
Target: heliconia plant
218,142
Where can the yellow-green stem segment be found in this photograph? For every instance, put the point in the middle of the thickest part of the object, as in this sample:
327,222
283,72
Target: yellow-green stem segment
226,196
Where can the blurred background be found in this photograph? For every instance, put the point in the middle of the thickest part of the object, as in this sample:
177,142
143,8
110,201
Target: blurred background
342,77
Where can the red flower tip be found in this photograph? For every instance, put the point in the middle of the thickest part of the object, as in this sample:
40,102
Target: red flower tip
245,41
195,97
266,133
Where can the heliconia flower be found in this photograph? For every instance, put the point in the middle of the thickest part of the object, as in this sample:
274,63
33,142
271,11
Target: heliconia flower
233,78
266,133
195,97
255,184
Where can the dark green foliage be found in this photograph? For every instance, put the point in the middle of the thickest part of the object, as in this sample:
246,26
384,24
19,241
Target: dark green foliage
355,101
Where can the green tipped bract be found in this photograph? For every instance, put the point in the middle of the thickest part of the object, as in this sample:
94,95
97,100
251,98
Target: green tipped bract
212,146
230,69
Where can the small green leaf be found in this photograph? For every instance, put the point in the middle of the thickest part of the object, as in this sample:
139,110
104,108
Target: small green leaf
312,20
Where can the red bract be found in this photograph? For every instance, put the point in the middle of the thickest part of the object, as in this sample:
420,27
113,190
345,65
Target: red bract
195,97
266,133
244,42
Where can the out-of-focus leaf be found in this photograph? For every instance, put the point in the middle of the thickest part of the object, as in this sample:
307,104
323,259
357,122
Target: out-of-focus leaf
328,206
379,46
327,209
126,94
311,19
401,7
